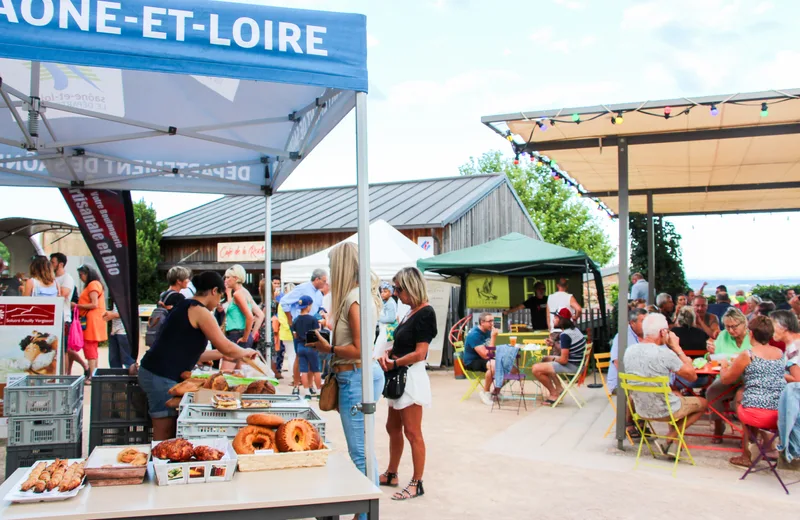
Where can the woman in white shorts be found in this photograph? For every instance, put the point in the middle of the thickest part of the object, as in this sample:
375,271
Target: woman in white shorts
411,341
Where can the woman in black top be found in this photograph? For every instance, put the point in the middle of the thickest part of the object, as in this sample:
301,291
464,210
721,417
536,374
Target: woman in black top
411,341
180,345
693,342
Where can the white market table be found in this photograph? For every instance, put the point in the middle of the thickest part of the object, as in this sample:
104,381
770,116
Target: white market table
325,492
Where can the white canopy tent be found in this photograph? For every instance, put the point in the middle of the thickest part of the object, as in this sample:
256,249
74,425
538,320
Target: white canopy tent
389,252
205,97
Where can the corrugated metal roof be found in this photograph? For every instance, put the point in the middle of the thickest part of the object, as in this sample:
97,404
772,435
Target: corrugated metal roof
410,204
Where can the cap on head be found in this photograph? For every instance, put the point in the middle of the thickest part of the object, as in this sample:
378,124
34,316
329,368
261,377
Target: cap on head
564,313
304,301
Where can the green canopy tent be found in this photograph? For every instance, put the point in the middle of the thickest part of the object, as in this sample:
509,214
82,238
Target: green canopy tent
520,256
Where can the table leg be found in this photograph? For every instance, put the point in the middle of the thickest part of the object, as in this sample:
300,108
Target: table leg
373,513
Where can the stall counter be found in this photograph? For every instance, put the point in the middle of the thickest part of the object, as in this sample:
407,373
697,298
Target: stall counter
329,491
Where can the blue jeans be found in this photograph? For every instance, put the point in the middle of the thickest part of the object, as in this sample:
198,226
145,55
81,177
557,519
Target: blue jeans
119,352
353,425
701,381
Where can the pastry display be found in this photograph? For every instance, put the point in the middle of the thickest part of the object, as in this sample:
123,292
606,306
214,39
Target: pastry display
297,435
256,403
252,438
132,456
216,382
59,474
175,450
260,387
266,420
239,389
184,387
207,453
227,402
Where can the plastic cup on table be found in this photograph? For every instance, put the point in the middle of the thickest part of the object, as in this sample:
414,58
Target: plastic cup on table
512,341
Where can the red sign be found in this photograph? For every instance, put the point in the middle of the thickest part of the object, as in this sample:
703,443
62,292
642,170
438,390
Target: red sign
21,314
240,252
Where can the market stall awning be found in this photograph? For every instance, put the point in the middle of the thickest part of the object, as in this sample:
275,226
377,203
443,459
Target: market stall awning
717,154
213,96
513,254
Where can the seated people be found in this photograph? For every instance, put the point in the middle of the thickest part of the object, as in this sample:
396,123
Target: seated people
732,341
762,370
572,346
705,320
666,306
787,331
660,354
476,355
537,304
692,339
635,319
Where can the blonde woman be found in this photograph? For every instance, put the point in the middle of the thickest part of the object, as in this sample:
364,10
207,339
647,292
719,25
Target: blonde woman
242,315
412,338
346,346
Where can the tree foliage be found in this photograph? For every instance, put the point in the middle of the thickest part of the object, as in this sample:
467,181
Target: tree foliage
774,293
148,237
4,252
559,213
669,276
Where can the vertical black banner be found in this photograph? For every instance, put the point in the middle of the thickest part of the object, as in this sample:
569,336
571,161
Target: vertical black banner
105,218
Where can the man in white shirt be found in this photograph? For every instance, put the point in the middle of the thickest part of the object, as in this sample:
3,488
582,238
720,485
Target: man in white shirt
66,286
561,299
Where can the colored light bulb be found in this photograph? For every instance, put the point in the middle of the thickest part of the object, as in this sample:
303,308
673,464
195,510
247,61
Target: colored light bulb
667,111
714,110
764,110
576,117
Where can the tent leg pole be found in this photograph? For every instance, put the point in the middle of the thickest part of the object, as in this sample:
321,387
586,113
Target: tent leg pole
651,252
268,275
35,103
368,322
622,303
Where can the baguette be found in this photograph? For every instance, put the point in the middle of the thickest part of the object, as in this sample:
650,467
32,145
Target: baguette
33,477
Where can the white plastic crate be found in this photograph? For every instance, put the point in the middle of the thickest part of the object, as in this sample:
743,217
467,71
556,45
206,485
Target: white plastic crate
200,421
293,401
40,430
43,395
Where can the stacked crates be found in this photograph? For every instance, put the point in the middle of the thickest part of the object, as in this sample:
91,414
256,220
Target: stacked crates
45,419
119,410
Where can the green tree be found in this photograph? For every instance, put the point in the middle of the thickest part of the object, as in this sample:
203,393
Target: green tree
669,277
4,252
562,217
148,238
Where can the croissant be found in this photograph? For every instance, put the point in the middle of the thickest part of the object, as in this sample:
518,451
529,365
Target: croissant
176,450
207,453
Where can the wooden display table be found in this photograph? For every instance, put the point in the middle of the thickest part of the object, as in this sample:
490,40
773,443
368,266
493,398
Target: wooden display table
325,492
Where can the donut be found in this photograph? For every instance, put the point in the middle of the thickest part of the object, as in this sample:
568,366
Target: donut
297,435
252,438
265,420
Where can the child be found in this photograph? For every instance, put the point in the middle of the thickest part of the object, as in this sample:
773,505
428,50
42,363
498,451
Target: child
307,357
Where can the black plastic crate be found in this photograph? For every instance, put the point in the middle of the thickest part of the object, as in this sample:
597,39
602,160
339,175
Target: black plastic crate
25,456
119,434
117,398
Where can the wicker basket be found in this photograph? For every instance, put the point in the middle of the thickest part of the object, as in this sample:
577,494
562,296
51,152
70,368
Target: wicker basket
301,459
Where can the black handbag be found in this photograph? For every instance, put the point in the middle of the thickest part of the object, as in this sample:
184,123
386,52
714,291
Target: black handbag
395,385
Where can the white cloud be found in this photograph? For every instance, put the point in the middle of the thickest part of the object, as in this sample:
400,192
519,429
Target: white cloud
763,7
506,52
546,38
704,14
372,41
571,4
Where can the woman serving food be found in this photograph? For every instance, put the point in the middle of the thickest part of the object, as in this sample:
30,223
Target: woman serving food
180,345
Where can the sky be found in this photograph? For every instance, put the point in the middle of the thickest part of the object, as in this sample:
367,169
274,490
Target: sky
437,66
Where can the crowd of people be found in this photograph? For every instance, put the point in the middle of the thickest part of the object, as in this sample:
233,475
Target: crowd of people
755,345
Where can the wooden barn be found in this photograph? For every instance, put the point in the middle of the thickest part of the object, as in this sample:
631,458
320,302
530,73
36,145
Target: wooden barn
449,213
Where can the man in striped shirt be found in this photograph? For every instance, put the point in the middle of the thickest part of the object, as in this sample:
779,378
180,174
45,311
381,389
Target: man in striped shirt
573,344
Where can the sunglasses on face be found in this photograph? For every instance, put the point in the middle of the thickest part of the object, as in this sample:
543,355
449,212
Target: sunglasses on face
397,289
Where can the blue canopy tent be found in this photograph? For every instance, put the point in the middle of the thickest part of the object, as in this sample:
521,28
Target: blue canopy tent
203,97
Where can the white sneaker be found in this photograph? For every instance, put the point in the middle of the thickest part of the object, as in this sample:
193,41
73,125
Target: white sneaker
486,398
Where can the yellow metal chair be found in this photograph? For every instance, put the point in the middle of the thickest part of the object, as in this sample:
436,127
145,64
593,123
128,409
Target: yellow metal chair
475,378
570,382
654,385
601,361
518,327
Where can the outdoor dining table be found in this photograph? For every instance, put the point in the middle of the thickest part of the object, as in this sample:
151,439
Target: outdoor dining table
713,370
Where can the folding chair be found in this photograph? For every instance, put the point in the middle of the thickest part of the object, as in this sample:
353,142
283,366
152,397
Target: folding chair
601,361
764,443
657,385
571,382
509,379
475,378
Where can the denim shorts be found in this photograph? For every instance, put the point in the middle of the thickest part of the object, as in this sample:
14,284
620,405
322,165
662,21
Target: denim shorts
308,359
569,368
157,390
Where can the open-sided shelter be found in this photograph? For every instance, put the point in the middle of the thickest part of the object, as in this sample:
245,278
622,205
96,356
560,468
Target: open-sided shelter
208,96
718,154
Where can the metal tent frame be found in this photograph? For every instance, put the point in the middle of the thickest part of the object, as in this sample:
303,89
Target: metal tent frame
574,145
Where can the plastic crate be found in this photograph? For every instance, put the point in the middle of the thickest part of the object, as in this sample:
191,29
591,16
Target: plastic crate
201,422
117,398
24,456
295,401
43,395
119,435
38,430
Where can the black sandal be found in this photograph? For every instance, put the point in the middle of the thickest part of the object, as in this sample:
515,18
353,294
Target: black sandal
389,478
406,494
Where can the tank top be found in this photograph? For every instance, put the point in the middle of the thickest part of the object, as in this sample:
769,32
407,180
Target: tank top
179,345
555,302
44,290
234,319
763,382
